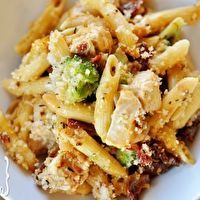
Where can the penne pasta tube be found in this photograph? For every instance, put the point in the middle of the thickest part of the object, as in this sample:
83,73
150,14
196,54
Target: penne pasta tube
34,88
159,20
17,148
42,26
13,105
35,63
173,30
116,20
171,56
25,110
58,47
167,135
105,96
175,74
79,20
96,153
173,102
78,111
180,71
152,41
189,111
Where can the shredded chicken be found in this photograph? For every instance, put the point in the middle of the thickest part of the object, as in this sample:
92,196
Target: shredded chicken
146,86
90,33
127,121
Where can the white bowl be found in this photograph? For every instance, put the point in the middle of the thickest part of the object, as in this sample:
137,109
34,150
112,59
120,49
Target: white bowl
15,16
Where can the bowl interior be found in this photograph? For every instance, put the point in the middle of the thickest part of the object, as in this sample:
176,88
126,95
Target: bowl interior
15,17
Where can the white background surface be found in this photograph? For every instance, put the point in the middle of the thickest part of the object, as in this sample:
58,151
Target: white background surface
181,183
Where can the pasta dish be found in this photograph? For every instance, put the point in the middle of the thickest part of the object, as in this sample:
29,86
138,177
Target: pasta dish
106,97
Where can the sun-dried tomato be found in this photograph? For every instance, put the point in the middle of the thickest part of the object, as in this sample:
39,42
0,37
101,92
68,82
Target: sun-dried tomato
75,124
5,139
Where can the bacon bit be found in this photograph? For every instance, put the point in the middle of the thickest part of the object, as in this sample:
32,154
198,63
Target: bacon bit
41,167
143,158
96,59
134,7
134,147
5,139
77,169
187,134
134,67
135,184
89,128
53,152
82,49
140,61
68,161
162,159
57,3
113,150
18,83
50,70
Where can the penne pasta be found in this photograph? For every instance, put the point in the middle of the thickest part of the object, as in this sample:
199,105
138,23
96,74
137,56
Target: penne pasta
171,56
58,47
25,110
105,96
173,31
35,63
175,74
96,153
158,21
34,88
167,135
116,20
42,26
17,148
152,41
192,107
78,111
79,20
173,102
12,106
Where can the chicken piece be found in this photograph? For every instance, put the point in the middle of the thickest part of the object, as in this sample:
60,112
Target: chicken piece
128,123
85,34
146,86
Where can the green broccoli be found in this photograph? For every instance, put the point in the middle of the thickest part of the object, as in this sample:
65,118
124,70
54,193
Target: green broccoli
173,31
82,78
126,157
74,79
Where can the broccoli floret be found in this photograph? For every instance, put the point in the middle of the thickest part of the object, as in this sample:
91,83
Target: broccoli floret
173,31
126,157
74,79
82,79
